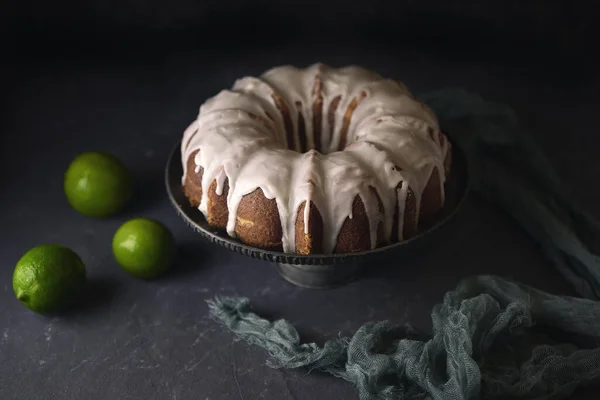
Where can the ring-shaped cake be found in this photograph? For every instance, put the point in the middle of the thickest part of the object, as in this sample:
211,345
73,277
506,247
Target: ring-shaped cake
316,160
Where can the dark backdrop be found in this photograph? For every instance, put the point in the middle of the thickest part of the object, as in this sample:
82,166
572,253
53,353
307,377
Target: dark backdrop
126,77
480,26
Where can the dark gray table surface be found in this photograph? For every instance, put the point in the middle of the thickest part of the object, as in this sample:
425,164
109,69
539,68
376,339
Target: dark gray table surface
132,339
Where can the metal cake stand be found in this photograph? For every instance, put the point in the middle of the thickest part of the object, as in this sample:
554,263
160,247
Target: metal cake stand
319,270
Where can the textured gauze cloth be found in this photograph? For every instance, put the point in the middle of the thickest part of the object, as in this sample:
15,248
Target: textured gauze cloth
492,338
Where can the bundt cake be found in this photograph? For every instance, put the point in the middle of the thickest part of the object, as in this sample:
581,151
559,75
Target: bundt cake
316,160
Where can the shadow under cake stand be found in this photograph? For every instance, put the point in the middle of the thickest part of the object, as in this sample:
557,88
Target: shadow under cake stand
319,270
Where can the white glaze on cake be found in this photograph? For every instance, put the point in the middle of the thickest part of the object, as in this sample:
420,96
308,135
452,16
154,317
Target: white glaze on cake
388,129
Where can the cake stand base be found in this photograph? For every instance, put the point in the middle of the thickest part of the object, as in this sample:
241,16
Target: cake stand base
319,276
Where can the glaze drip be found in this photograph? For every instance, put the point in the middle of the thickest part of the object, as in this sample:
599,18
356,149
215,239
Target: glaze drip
319,136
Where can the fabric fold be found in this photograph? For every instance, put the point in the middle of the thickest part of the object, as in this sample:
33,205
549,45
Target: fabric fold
492,338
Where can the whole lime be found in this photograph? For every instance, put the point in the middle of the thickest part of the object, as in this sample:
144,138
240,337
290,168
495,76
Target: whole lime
48,278
97,184
143,247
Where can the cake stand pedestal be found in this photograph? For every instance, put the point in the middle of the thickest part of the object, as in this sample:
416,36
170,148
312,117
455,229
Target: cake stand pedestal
319,276
319,270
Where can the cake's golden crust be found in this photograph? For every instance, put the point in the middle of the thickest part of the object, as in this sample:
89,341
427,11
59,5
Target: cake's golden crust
310,242
218,213
257,223
354,235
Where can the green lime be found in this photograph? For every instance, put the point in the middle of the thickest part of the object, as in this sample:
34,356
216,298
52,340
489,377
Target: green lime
48,278
143,247
97,184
